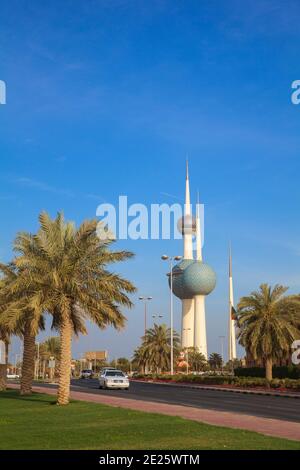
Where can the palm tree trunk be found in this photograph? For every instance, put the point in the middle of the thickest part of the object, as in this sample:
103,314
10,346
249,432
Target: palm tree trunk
28,361
269,372
3,369
2,377
64,363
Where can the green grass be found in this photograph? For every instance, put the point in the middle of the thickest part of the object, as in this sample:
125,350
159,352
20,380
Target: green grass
35,422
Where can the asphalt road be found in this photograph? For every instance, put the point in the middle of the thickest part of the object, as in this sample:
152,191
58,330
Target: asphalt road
256,405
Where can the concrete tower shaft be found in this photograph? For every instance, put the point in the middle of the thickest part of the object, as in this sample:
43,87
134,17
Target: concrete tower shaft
231,326
187,235
199,316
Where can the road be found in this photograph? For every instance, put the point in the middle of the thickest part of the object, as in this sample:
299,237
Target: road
287,409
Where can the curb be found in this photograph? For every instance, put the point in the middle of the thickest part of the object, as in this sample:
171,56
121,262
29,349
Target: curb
220,389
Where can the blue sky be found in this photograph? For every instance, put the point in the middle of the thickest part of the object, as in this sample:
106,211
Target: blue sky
107,98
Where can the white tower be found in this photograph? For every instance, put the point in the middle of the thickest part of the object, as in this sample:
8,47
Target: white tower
199,316
187,324
192,280
232,338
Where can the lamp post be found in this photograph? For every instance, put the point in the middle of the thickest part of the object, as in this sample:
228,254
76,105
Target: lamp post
37,363
2,352
81,360
145,299
16,362
171,260
222,350
187,350
157,316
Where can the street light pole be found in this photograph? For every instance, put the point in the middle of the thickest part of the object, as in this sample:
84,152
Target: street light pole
37,365
171,260
171,319
157,316
16,362
222,349
145,299
187,350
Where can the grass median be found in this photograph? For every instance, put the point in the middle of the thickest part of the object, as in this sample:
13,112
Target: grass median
35,422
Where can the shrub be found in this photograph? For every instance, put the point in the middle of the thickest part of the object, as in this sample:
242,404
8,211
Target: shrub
242,382
249,372
276,383
250,382
282,372
292,384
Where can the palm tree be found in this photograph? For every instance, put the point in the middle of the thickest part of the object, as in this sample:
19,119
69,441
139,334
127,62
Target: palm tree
18,316
215,360
157,347
233,364
4,339
5,334
197,360
69,279
140,358
50,348
6,330
122,363
269,323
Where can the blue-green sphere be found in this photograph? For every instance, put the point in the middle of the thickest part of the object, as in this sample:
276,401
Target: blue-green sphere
178,285
198,279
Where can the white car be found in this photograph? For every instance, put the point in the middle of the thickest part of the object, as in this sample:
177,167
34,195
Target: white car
12,376
87,374
107,368
113,379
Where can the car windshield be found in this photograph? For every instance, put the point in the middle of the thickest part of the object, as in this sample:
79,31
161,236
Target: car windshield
114,373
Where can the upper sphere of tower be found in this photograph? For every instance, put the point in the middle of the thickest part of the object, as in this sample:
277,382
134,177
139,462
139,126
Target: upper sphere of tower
187,225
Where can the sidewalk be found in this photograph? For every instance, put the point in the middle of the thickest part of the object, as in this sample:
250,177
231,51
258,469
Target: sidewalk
256,391
270,427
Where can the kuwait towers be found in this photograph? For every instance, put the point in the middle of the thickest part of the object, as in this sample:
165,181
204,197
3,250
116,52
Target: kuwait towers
192,280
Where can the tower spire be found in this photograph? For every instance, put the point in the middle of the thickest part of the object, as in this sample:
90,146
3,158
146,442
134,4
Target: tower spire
187,220
198,231
232,335
187,204
230,261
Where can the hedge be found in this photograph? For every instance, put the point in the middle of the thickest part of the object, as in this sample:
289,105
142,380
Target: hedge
282,372
247,382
